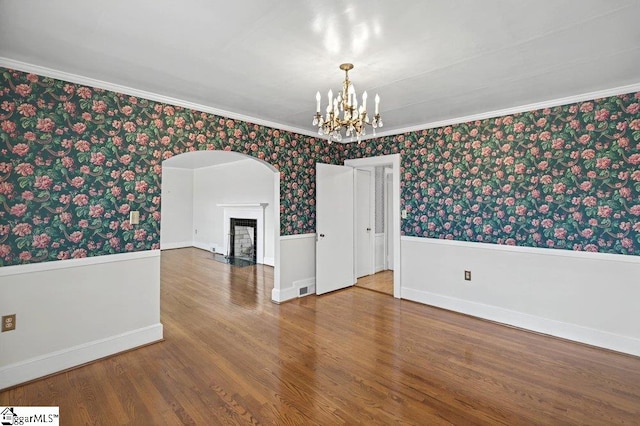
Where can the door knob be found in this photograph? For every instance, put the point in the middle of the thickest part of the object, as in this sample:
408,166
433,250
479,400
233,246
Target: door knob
322,235
368,229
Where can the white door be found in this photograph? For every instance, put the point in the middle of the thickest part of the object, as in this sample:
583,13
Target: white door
364,233
334,228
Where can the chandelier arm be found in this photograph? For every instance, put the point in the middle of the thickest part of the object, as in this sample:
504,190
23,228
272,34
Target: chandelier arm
354,120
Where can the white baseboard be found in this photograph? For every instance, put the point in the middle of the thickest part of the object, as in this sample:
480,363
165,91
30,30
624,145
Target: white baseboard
54,362
181,244
279,295
269,261
293,292
560,329
201,245
310,283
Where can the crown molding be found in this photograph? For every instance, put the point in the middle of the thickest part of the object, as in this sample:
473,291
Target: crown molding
100,84
79,79
620,90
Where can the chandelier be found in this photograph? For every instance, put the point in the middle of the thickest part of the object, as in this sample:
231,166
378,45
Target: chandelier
354,118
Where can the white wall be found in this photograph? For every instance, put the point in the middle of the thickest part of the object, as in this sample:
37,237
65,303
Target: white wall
297,265
70,312
585,297
176,226
246,181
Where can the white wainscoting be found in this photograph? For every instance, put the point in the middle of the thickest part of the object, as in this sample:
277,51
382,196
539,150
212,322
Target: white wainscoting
585,297
177,207
71,312
297,264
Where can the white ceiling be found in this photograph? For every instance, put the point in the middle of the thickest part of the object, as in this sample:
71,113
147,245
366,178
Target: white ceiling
430,61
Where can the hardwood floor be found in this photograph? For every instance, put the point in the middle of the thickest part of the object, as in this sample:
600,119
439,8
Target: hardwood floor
381,282
231,356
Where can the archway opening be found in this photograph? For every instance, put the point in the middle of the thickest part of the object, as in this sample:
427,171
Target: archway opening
202,190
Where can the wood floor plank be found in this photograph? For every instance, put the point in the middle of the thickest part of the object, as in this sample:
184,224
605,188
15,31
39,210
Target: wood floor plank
381,281
355,356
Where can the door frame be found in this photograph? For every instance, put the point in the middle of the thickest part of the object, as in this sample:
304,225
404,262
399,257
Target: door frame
388,211
392,160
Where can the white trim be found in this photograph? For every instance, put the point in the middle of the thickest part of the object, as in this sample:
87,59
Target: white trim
75,78
310,283
54,362
269,261
202,246
532,250
87,81
615,91
277,262
394,161
263,205
74,263
560,329
298,236
171,246
279,295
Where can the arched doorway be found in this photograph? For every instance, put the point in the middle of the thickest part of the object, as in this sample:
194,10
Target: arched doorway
200,187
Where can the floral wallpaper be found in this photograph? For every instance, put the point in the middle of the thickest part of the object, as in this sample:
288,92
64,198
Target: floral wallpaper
75,160
565,177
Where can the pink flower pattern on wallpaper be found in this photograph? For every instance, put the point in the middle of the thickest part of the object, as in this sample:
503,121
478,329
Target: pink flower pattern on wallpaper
75,160
565,177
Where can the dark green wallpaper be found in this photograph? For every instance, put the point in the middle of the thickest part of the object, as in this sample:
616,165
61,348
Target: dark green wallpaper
566,177
75,160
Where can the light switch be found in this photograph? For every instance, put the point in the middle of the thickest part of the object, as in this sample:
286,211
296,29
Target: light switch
134,217
404,214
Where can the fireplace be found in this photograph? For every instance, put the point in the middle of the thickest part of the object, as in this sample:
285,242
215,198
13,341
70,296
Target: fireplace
247,229
243,239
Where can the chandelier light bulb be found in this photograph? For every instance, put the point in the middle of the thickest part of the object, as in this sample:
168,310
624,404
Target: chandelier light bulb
344,113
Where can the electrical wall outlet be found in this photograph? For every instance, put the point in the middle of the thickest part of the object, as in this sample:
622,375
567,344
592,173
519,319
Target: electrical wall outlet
8,322
467,275
134,217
